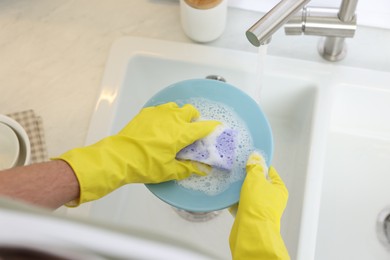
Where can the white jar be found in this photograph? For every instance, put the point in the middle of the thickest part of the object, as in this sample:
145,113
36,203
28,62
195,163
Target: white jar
203,20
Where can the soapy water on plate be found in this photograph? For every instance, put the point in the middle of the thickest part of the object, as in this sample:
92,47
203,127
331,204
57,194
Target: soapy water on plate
216,181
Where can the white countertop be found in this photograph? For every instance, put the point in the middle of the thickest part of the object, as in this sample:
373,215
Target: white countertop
53,53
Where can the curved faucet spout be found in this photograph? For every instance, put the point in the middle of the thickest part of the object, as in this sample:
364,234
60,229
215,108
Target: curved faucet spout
261,32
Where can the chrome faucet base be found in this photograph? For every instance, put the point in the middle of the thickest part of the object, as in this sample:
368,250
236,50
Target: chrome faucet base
332,49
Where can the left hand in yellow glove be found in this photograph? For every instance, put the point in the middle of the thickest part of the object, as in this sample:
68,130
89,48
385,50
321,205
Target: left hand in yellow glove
144,151
256,230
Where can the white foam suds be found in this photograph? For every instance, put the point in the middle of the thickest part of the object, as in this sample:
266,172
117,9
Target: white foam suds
218,181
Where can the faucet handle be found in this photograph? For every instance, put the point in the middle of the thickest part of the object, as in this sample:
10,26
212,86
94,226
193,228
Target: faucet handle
320,21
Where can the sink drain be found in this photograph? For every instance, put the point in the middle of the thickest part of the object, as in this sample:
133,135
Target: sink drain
216,77
383,227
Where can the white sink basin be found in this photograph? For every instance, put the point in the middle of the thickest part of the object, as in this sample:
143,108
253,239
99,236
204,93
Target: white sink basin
296,96
356,178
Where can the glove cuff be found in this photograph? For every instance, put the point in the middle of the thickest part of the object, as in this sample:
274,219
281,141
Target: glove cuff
95,171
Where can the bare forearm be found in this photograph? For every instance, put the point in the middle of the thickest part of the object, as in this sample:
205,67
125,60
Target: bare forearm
49,184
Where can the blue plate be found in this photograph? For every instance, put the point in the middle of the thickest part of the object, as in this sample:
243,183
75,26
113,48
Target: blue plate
245,107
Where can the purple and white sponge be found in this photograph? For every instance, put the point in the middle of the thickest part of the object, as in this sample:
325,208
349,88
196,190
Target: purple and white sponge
217,149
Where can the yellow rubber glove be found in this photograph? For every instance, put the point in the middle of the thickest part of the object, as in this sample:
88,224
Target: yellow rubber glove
256,230
144,151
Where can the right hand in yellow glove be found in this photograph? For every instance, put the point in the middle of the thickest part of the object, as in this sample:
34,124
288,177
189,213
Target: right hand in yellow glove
144,151
256,230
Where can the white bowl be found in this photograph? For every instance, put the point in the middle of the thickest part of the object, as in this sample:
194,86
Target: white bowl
9,147
24,141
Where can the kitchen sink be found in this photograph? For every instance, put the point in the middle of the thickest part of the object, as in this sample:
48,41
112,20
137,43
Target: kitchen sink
313,134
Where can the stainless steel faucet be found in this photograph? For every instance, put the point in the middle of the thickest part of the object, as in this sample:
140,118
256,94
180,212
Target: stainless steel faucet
334,24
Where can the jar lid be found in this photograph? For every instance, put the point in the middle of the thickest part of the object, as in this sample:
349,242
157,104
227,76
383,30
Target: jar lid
203,4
